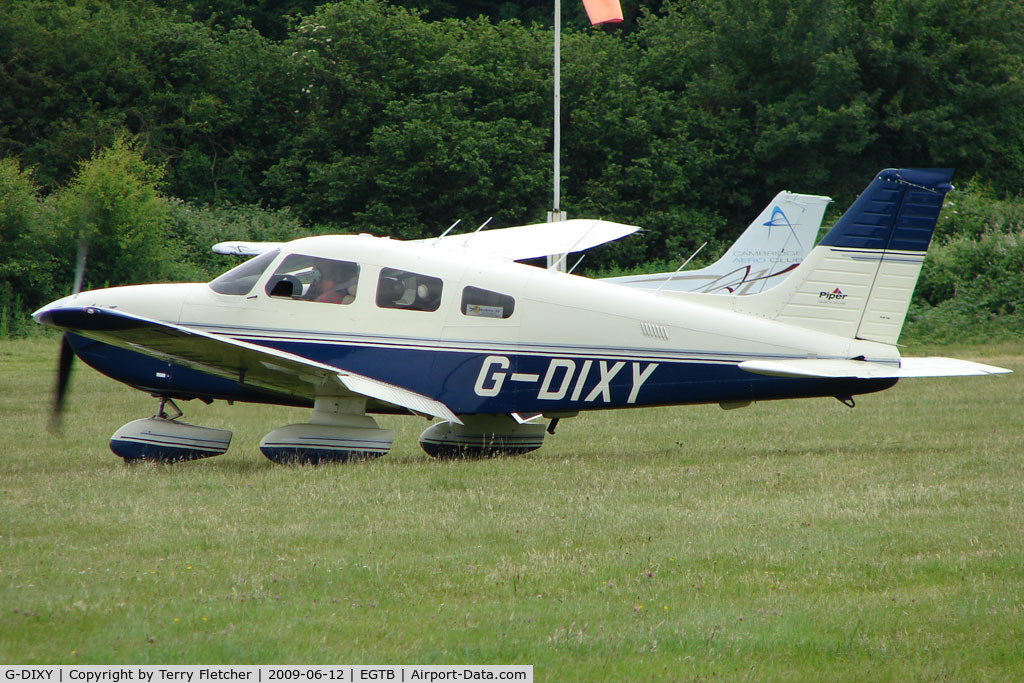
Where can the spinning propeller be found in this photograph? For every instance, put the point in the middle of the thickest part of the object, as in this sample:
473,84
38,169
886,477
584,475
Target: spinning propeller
67,355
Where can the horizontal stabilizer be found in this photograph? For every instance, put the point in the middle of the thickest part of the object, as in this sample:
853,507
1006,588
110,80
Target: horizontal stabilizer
536,241
838,368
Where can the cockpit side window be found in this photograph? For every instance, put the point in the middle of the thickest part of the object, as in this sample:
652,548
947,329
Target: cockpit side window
483,303
409,291
240,280
313,278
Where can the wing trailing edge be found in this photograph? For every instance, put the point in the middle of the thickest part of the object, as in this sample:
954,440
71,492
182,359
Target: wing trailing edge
399,396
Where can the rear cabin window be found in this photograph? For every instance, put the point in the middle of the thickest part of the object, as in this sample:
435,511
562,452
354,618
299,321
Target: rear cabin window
409,291
483,303
312,278
240,280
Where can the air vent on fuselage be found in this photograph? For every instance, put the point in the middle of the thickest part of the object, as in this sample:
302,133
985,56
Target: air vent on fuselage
654,331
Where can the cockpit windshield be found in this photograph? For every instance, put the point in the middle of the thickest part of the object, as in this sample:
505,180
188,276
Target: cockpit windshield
240,280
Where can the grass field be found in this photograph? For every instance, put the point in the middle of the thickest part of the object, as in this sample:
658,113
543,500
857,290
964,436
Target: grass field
796,540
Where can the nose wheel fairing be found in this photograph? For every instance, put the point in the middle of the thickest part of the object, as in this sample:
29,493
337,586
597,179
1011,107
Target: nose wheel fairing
162,438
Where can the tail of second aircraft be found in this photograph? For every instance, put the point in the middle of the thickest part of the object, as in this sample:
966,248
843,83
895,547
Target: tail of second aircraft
771,246
858,281
780,237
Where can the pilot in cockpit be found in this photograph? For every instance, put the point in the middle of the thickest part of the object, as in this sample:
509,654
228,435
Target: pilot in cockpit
337,283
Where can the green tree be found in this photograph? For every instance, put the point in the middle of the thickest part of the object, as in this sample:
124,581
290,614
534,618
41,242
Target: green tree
27,269
405,125
365,115
113,205
68,80
765,96
219,110
205,101
271,18
946,79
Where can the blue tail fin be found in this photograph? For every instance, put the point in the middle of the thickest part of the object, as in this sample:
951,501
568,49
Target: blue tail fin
859,280
897,211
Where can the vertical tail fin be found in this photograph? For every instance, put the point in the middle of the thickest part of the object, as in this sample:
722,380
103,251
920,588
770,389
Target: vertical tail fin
858,281
775,243
771,246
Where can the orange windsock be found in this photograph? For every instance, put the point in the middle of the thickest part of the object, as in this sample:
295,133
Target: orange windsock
603,11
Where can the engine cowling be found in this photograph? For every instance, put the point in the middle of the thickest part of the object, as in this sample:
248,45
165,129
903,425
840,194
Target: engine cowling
481,436
160,439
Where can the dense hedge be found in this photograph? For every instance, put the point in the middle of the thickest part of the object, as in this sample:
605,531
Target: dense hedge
367,116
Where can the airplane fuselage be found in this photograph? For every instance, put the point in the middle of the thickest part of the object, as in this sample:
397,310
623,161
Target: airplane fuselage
541,341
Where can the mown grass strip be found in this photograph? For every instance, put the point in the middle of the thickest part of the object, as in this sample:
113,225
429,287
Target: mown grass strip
795,539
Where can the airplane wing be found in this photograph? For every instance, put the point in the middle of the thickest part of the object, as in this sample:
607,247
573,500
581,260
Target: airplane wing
535,241
825,368
516,243
244,248
252,365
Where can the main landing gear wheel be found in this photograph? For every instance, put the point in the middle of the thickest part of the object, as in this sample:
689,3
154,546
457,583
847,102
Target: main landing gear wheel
339,431
481,436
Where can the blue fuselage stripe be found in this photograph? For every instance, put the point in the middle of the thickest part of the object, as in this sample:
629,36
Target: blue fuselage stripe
493,380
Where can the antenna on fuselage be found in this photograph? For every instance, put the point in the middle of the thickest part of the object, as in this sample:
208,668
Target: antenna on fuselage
465,242
450,228
683,265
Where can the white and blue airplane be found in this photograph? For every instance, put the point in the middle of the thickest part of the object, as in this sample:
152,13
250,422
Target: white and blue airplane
456,329
772,245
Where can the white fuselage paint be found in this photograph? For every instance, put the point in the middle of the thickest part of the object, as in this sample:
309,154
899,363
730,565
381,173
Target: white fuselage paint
587,329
